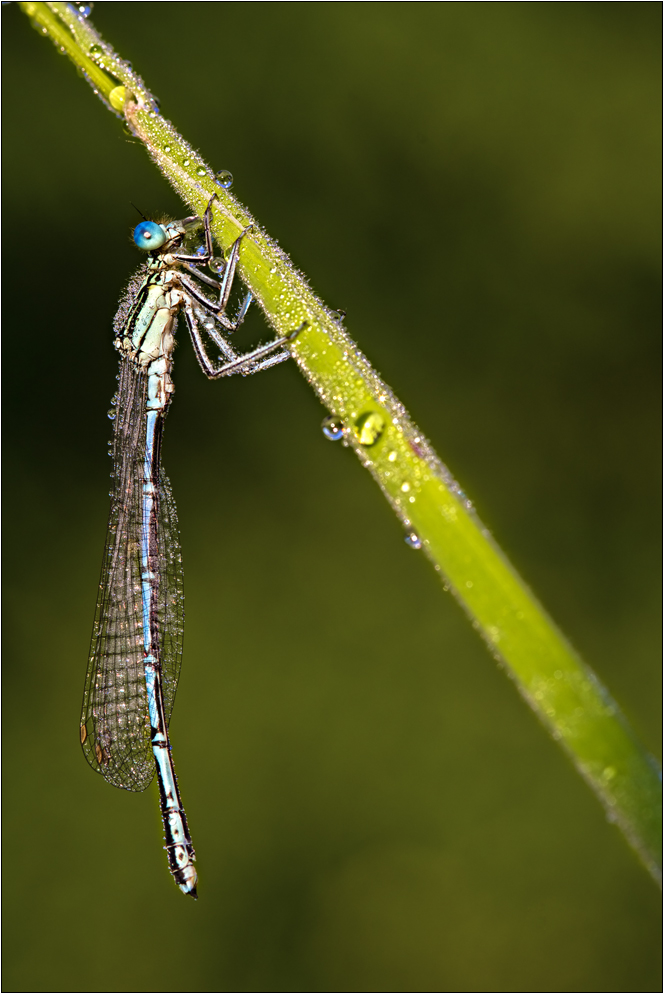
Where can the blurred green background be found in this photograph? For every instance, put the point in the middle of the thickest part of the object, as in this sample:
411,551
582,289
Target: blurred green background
373,806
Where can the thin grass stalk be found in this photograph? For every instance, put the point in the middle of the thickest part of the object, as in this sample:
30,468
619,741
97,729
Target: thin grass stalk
436,515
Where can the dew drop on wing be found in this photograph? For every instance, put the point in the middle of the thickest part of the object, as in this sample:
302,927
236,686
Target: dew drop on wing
413,540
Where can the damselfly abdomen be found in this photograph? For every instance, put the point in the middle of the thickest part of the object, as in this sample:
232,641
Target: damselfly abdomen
136,649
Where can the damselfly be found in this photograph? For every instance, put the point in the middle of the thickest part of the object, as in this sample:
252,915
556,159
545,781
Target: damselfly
136,649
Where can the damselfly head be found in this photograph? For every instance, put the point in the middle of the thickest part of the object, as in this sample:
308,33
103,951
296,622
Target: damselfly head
150,236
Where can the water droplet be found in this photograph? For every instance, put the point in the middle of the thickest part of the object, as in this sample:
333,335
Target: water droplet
84,9
186,162
405,487
609,773
112,413
201,171
341,314
117,97
167,148
413,540
469,583
224,179
95,51
369,427
392,456
333,428
217,265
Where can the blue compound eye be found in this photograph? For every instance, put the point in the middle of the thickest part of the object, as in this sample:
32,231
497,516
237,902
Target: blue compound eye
149,235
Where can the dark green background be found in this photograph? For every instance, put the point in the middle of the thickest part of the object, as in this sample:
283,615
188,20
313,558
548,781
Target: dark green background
373,806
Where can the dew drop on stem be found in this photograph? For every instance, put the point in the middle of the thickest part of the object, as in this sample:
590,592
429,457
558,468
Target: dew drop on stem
224,179
332,428
369,427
